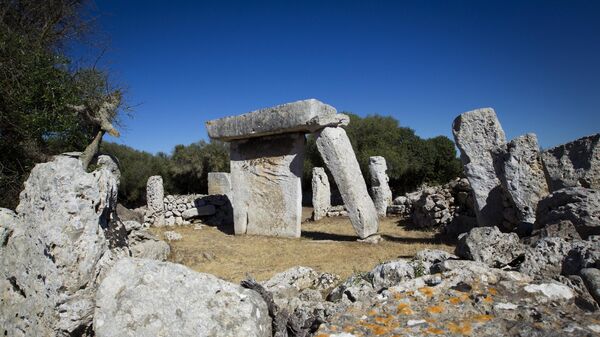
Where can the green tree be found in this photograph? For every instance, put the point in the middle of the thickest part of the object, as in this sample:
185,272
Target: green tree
39,86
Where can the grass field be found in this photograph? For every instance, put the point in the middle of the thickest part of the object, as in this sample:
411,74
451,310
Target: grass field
329,245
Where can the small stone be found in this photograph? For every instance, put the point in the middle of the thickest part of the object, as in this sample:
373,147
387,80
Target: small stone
172,236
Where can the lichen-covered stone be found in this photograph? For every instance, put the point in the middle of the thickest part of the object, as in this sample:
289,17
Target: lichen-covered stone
382,195
478,135
302,116
335,148
576,163
321,193
266,178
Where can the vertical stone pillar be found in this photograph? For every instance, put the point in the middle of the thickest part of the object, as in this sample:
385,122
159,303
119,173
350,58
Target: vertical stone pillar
478,135
336,150
155,214
382,195
219,183
266,179
321,193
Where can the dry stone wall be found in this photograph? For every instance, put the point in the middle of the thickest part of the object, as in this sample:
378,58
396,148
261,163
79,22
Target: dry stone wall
209,209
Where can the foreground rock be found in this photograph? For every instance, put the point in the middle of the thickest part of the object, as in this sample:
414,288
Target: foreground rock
578,205
490,246
337,153
62,241
574,164
478,135
321,193
302,116
150,298
382,195
465,298
522,176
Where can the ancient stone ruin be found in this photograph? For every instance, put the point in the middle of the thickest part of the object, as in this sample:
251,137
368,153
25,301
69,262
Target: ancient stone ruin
267,154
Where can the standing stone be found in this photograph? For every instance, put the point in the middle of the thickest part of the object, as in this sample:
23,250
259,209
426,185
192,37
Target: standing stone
336,150
523,177
219,183
321,193
574,164
478,135
382,195
266,178
155,198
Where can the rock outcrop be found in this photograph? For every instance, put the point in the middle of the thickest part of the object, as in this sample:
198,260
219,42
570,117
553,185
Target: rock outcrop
62,241
478,135
321,193
149,298
490,246
573,164
382,195
335,148
522,176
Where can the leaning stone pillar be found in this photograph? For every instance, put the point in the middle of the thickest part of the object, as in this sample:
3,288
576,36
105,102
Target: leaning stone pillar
382,195
321,193
155,213
266,178
336,150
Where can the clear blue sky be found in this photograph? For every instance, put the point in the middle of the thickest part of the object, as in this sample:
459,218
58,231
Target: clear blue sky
424,62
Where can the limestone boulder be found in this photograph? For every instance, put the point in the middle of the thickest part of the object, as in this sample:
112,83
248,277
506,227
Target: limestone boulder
578,205
591,278
478,135
382,195
337,153
142,297
62,242
573,164
305,116
198,211
490,246
522,176
321,193
144,245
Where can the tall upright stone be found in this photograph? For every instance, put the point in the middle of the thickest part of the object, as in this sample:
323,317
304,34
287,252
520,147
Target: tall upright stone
219,183
321,193
266,178
478,135
522,176
573,164
336,150
382,195
155,193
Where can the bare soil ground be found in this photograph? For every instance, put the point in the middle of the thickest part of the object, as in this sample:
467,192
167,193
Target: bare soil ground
329,245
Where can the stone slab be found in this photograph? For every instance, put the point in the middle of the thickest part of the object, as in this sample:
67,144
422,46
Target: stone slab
478,135
266,179
321,193
337,152
219,183
302,116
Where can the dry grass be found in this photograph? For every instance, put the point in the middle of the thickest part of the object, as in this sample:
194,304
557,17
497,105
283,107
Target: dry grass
328,245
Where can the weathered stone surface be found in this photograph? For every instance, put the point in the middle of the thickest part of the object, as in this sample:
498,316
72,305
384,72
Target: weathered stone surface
478,135
336,150
490,246
591,278
522,176
579,205
58,250
198,211
574,164
144,245
155,194
382,195
219,183
321,193
142,297
172,236
302,116
266,177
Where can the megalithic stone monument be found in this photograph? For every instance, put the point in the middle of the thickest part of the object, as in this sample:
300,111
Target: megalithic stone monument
267,154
